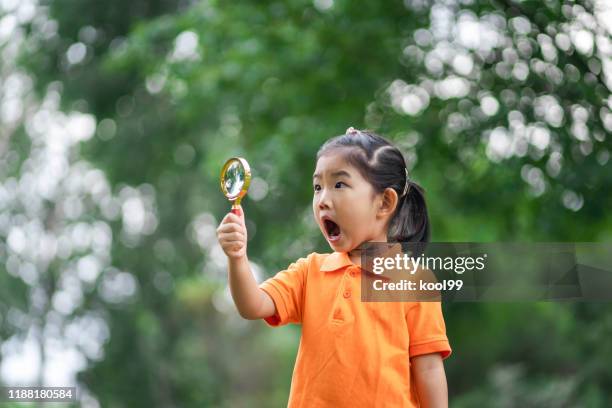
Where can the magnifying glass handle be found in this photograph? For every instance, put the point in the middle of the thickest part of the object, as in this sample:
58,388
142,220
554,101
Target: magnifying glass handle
236,208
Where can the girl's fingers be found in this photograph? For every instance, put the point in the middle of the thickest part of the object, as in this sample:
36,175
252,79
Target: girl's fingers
234,249
232,218
231,231
231,237
230,228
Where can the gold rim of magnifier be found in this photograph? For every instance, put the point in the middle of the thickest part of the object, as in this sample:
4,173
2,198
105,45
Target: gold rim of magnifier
247,179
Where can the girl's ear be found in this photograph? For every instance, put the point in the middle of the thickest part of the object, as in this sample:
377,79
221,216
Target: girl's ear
388,202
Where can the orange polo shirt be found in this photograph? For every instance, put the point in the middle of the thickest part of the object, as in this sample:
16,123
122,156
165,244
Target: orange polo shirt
351,353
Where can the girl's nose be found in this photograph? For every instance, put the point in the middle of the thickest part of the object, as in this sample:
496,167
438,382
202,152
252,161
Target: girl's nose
323,200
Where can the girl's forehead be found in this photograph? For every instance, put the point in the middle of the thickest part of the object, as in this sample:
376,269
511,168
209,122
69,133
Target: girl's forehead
333,162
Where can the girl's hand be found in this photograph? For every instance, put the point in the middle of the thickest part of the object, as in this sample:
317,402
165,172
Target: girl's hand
232,235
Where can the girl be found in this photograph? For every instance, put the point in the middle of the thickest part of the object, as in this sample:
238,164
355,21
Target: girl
351,353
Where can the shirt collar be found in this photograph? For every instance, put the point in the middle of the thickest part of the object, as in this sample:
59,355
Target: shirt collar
335,261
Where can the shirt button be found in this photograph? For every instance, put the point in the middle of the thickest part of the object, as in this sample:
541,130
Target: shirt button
347,294
353,273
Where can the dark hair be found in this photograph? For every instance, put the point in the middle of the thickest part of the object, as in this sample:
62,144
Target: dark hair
383,165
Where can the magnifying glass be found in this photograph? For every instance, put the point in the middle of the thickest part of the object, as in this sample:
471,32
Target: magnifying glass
235,179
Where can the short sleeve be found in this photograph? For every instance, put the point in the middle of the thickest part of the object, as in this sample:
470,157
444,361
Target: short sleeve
286,289
427,330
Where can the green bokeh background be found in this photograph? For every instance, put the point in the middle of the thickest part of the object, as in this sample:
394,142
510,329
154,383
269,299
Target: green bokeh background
117,117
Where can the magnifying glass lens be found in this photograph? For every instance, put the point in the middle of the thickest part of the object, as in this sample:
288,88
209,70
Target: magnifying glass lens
235,179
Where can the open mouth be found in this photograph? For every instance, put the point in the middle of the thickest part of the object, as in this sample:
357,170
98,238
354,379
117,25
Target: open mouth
332,229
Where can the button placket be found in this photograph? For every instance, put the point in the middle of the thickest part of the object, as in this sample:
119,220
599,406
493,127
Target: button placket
348,283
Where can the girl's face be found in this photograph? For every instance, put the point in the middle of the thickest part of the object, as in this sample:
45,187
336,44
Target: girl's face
345,205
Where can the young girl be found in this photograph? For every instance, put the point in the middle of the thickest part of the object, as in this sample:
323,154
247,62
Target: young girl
351,353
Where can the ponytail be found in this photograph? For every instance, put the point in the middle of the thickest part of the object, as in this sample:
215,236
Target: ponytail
410,222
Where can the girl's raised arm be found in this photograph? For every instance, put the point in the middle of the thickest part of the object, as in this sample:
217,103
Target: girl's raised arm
252,302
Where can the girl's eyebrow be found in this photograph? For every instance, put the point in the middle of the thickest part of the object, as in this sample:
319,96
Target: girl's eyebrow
335,174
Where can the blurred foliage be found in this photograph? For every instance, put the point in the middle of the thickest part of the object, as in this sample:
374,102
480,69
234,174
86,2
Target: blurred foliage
503,109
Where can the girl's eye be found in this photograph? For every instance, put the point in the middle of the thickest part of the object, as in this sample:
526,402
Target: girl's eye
340,183
317,187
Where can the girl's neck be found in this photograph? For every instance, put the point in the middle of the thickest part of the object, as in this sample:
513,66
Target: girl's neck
355,254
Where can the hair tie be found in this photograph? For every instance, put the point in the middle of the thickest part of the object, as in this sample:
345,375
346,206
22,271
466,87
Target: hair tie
351,131
407,185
